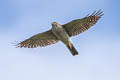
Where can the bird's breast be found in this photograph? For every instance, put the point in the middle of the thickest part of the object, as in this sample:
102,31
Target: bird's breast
61,34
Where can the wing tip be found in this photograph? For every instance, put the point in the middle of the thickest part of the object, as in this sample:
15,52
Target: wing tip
98,13
16,44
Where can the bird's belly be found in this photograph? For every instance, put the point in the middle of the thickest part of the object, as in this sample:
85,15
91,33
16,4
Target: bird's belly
62,35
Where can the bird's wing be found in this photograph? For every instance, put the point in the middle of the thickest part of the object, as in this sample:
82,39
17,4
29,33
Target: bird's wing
41,39
78,26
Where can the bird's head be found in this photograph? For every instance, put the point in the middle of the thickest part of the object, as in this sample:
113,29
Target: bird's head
54,23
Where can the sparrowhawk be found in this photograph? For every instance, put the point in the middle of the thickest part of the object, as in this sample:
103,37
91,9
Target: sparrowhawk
62,33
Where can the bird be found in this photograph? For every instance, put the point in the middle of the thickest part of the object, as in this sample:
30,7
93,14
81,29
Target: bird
62,32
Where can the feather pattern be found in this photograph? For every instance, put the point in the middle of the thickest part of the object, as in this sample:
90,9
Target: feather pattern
41,39
78,26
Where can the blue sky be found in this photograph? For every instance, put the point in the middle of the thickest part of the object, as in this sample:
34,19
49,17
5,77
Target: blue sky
99,47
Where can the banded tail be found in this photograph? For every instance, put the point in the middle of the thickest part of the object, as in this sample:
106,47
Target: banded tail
72,49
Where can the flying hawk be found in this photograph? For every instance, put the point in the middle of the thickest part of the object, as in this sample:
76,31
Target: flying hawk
62,33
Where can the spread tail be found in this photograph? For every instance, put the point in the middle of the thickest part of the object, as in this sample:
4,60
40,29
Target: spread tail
72,49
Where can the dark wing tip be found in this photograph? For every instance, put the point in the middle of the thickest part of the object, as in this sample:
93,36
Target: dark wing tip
99,13
20,45
16,44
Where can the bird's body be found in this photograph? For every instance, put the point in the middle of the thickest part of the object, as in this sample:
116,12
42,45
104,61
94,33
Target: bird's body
63,36
62,33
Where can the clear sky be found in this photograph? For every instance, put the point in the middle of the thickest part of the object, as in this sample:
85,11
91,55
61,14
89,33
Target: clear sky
99,47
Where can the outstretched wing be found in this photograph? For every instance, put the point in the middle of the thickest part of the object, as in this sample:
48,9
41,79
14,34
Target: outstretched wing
78,26
41,39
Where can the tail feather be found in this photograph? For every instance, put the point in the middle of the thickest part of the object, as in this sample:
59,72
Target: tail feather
72,49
